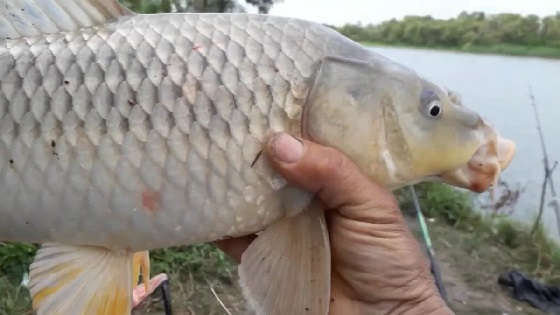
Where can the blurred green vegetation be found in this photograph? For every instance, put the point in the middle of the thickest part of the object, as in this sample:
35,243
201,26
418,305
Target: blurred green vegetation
504,33
15,259
204,261
156,6
536,255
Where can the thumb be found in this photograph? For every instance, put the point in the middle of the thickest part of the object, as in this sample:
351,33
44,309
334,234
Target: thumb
328,173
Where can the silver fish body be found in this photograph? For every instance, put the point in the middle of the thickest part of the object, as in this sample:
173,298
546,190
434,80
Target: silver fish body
131,132
146,132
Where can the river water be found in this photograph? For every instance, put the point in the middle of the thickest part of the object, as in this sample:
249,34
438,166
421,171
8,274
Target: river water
497,87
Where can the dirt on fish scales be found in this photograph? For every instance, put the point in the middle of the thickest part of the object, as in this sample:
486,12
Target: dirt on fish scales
151,200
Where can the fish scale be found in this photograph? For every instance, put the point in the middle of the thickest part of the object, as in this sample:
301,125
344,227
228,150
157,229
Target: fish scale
150,125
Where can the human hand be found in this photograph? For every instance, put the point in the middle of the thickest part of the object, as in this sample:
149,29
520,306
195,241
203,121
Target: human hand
377,265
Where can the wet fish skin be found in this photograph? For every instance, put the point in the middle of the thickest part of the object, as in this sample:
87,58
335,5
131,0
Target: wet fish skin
141,133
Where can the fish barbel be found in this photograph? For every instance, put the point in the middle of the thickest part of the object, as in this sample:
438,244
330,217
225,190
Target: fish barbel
122,132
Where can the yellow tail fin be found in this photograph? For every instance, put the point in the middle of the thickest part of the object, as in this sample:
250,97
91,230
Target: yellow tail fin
68,279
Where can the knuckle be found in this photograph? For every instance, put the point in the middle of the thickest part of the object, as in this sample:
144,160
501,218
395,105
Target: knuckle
333,163
391,203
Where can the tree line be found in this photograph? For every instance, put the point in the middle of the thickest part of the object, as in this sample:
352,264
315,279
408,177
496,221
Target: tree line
467,29
156,6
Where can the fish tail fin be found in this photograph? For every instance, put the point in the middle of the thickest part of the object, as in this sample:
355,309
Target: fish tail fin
66,279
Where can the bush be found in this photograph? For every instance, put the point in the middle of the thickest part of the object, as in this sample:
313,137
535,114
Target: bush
443,201
505,33
15,259
508,233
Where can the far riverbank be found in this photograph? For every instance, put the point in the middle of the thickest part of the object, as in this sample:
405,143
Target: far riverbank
500,49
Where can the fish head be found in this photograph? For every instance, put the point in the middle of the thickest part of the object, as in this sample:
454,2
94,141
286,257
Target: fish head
400,128
450,142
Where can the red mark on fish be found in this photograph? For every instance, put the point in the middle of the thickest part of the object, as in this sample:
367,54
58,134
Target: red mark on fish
196,47
150,200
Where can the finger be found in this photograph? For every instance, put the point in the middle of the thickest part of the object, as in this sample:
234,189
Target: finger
139,293
335,179
235,247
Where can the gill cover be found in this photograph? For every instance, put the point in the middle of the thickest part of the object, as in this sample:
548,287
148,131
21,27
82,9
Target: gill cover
339,112
335,99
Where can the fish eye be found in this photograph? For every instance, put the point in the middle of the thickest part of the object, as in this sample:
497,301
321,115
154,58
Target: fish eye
430,104
434,109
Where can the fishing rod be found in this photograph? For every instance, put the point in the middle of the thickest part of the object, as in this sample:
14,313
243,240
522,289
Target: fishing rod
165,297
436,271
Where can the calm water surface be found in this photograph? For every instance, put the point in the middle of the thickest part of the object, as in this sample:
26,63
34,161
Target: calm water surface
497,88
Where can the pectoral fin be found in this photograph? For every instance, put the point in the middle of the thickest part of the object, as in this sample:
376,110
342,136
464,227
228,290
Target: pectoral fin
68,279
286,270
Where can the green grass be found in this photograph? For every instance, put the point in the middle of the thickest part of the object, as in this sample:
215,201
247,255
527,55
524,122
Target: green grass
14,299
204,261
15,259
515,50
14,262
499,49
194,271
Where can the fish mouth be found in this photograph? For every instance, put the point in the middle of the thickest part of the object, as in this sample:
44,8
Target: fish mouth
484,168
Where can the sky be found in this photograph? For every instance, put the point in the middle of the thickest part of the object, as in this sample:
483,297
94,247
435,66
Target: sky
339,12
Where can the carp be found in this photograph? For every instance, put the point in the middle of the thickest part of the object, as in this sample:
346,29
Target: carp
124,132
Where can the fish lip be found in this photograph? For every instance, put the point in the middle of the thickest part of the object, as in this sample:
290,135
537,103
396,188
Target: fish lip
506,151
483,169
